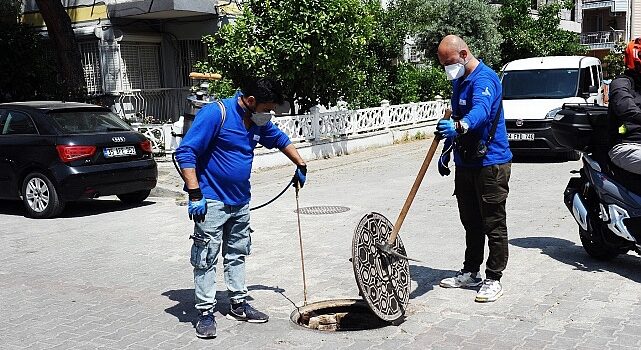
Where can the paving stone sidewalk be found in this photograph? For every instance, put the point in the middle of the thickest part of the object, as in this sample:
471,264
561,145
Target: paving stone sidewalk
107,276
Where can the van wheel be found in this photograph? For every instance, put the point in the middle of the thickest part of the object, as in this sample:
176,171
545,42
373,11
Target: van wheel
573,155
40,197
134,197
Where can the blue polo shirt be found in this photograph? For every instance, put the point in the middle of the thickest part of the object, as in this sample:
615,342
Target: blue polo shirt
476,100
223,154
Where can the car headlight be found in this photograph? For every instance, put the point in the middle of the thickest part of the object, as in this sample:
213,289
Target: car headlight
552,114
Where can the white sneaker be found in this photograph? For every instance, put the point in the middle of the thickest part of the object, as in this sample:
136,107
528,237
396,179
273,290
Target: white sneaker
490,291
463,279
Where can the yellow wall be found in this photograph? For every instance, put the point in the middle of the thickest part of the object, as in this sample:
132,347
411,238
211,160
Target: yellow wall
77,14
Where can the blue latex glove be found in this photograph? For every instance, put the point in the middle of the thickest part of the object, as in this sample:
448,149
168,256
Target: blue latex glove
197,210
446,129
300,176
197,205
443,160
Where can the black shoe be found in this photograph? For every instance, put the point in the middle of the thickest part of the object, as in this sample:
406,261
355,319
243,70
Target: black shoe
244,312
206,326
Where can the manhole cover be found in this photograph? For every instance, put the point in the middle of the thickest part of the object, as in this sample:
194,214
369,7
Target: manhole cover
337,315
322,210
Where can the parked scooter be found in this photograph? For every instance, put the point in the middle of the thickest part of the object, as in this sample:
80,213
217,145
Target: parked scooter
604,199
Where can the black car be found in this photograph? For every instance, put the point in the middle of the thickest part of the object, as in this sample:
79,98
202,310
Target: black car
55,152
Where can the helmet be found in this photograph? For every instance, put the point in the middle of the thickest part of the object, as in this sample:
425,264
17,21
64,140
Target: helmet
632,56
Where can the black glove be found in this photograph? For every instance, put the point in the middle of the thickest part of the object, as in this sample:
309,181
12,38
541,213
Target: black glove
300,176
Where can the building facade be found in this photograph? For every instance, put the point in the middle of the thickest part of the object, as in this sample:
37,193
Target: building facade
137,54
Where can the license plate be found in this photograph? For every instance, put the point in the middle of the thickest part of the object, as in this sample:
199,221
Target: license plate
111,152
520,137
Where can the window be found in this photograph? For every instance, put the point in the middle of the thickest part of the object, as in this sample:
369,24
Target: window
91,66
585,80
539,84
190,52
140,65
17,123
83,121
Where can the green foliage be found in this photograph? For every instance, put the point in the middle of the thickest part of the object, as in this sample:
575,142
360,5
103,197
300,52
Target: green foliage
526,36
473,20
415,84
24,72
316,47
613,64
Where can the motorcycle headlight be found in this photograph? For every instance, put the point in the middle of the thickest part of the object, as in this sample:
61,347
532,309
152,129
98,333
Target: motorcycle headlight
553,113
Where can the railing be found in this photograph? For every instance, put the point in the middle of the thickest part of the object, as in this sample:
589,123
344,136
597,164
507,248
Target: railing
602,39
318,126
151,106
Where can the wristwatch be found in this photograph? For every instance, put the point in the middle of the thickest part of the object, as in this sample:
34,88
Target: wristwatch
461,127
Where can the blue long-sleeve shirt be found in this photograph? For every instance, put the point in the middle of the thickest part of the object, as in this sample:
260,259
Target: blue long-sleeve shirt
476,100
223,155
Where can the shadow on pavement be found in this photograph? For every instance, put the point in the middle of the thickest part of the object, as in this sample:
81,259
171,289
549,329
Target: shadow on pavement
74,209
572,254
185,311
427,278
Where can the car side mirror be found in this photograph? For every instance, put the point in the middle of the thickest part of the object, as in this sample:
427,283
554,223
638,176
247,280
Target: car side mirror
593,89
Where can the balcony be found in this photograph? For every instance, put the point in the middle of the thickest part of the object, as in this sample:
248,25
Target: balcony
614,5
602,40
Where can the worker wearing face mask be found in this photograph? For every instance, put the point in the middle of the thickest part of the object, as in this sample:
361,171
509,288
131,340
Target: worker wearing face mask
477,137
215,158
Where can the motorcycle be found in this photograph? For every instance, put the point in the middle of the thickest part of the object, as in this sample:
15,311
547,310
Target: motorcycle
604,199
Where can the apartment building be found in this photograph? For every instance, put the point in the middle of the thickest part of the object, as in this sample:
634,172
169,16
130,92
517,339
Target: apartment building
607,23
137,54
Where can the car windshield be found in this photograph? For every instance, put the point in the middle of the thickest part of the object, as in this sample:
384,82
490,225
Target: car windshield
82,122
540,83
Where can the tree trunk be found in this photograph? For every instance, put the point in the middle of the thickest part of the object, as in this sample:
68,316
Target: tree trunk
64,43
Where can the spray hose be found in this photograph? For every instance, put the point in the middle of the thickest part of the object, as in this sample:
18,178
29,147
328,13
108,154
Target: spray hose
173,159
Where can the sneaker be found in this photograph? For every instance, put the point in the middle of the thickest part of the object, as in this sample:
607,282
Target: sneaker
245,312
463,279
206,326
490,291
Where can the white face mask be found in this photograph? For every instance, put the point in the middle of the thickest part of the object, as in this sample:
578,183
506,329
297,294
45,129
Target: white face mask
262,118
455,71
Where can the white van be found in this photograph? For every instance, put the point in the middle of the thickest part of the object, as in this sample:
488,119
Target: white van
535,89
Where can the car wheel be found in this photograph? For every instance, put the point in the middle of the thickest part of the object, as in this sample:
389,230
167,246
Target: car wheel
40,197
134,197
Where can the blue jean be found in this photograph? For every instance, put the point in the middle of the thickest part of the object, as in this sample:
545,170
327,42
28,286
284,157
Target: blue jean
225,227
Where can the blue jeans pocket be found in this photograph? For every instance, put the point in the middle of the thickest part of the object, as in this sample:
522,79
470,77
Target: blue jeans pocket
200,252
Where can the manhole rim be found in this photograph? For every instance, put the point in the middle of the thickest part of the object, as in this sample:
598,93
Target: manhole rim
328,303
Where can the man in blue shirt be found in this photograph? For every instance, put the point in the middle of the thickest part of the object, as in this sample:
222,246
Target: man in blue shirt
477,136
215,157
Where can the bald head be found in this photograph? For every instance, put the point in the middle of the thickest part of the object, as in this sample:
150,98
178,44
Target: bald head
452,50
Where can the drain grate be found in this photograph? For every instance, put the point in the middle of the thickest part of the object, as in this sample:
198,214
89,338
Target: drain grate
322,210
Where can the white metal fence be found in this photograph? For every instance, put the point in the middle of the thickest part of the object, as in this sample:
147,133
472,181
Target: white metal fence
318,125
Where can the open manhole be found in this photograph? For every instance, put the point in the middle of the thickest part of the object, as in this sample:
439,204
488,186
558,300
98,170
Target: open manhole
322,210
337,315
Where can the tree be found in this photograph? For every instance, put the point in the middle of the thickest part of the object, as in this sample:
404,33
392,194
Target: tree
24,72
613,64
316,47
526,36
473,20
67,50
